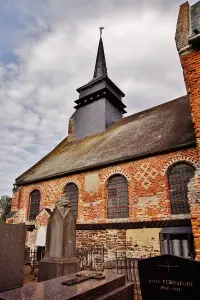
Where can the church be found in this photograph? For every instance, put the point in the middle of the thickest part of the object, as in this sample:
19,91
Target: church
133,182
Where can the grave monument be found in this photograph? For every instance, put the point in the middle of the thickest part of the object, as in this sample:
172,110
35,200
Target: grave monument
60,247
169,277
12,237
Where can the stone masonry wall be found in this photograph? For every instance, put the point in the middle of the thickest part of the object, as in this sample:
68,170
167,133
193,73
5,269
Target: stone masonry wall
133,242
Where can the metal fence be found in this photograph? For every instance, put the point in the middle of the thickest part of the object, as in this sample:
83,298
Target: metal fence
128,266
91,258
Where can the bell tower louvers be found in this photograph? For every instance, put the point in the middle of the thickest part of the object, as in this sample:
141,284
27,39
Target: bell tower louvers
99,104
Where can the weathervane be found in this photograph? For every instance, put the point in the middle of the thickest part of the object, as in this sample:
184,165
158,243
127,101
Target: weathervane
101,28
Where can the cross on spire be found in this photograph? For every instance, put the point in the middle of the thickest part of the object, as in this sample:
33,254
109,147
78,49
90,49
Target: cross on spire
100,66
101,28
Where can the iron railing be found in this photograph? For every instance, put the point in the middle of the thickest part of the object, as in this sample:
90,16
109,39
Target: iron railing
91,258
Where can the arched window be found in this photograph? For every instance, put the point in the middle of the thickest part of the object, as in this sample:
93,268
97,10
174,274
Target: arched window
71,191
34,204
179,176
117,206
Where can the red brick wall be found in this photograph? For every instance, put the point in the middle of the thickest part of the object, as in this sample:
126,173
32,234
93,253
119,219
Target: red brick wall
147,186
191,69
148,200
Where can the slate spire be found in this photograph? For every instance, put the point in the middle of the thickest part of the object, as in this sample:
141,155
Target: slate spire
100,66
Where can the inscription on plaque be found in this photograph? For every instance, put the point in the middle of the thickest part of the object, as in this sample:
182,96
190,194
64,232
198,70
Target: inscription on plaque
169,277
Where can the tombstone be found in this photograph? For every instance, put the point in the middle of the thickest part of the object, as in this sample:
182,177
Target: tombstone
112,287
169,277
12,237
27,255
60,246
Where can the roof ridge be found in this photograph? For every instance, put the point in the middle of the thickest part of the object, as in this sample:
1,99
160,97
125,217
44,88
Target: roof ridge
183,136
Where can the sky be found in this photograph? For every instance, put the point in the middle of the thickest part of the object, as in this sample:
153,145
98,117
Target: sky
48,49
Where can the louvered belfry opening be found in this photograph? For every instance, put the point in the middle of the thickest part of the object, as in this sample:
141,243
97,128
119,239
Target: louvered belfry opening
117,205
179,176
71,191
34,205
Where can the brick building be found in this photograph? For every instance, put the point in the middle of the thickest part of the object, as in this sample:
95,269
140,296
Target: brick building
134,182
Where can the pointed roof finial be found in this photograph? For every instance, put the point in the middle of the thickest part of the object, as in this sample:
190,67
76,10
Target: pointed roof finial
100,66
101,28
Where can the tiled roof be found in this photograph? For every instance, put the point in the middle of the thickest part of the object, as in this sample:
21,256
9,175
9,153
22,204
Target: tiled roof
162,128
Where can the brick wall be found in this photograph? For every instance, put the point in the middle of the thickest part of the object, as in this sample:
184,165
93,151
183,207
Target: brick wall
147,186
133,242
191,69
148,200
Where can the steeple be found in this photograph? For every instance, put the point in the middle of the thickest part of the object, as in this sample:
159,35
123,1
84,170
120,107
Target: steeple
100,66
100,101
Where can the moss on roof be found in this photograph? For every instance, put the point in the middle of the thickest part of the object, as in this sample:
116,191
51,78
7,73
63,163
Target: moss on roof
159,129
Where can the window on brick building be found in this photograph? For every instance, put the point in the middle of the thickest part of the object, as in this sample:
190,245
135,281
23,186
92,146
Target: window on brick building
179,176
34,204
71,191
117,205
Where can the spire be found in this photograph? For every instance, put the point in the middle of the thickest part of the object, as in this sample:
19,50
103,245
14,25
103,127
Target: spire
100,66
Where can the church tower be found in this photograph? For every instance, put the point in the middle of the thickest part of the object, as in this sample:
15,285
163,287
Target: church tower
100,101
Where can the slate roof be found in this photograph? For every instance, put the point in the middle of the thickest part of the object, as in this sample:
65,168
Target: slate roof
163,128
100,66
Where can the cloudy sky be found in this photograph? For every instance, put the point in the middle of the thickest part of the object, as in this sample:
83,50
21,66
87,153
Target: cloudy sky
48,49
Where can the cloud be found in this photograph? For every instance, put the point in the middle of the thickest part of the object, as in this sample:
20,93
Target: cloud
48,50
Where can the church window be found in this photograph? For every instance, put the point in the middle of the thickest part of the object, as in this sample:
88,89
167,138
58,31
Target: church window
34,204
179,176
117,205
71,191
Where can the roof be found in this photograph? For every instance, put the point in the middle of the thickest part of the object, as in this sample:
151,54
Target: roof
166,127
97,80
100,66
135,225
100,71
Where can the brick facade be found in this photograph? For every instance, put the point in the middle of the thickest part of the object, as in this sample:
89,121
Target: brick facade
191,68
148,201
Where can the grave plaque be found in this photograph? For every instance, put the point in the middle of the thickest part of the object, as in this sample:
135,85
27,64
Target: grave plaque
169,277
12,244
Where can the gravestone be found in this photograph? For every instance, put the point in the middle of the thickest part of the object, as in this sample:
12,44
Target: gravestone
112,287
60,247
169,277
12,239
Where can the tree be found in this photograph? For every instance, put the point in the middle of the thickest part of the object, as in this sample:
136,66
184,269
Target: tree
5,207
